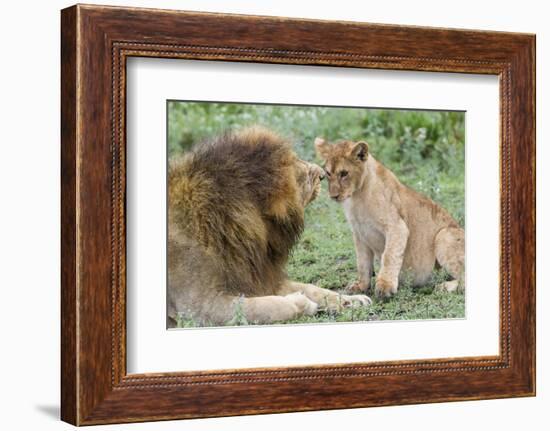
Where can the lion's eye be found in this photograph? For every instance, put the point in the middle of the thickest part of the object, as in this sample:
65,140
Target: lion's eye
327,173
343,174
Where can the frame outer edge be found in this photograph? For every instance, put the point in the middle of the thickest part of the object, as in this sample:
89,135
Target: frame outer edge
530,63
532,127
87,396
533,54
523,179
69,201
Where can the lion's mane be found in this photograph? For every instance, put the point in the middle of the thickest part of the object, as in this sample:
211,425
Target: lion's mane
237,198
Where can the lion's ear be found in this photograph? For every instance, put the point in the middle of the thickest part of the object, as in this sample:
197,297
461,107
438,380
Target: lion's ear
322,148
360,151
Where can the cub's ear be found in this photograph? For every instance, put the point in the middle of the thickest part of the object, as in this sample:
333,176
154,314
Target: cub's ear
322,148
360,151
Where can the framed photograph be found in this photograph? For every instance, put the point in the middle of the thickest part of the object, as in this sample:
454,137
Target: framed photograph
322,214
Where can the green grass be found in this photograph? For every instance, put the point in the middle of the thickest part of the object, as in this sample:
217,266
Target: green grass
424,149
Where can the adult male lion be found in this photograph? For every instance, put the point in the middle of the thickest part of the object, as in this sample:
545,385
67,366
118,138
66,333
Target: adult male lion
235,210
406,231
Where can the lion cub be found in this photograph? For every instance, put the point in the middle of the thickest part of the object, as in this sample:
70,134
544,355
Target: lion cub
407,232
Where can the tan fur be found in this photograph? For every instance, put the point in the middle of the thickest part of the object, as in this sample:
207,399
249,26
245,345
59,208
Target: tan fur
407,232
235,210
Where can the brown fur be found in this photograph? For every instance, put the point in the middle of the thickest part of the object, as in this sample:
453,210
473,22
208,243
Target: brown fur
236,209
406,231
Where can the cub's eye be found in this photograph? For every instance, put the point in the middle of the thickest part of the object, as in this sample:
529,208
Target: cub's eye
327,173
343,174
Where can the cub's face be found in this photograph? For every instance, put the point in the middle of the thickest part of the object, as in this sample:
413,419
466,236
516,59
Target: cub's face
308,177
345,164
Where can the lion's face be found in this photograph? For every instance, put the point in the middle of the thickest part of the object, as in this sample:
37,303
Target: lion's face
345,164
308,177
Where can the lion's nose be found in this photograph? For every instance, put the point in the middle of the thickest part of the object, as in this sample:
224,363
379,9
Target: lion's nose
335,197
314,169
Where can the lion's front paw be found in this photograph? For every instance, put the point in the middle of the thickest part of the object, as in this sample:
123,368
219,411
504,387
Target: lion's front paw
355,300
304,305
338,303
385,288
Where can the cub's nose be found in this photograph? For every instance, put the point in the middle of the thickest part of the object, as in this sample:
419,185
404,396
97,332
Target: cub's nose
322,176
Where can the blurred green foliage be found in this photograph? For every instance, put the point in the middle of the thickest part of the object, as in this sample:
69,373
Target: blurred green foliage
425,149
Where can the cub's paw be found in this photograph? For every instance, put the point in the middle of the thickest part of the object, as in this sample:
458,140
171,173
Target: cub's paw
305,306
358,287
448,286
385,288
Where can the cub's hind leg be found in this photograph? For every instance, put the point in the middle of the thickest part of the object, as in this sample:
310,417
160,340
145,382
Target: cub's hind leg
449,252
